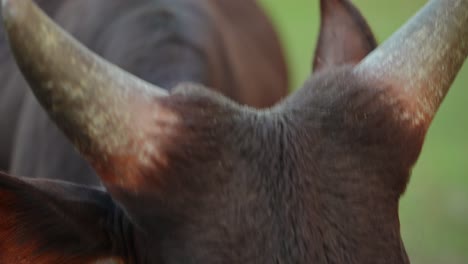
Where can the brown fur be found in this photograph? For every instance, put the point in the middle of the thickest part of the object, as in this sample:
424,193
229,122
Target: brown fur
315,179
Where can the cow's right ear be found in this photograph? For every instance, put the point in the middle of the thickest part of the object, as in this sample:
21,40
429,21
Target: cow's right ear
345,37
52,222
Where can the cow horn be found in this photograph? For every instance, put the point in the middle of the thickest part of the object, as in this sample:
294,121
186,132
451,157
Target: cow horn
97,105
422,59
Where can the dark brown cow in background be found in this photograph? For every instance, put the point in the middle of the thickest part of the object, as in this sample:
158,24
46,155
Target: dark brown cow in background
194,177
227,45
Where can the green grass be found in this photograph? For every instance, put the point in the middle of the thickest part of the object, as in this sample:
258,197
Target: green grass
434,210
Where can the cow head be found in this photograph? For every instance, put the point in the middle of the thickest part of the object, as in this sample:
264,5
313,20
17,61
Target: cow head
193,177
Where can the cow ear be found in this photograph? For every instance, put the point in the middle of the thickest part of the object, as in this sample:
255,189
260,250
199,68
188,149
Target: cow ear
55,222
345,37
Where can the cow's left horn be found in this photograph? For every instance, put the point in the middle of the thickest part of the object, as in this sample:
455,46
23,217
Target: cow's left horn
101,108
422,59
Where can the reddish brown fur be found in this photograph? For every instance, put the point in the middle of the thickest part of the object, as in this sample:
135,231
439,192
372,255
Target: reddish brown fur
19,246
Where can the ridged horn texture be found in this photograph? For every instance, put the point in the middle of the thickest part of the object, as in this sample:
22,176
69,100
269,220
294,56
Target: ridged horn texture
422,59
96,104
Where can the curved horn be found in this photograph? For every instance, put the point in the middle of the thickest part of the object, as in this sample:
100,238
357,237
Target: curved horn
101,108
423,58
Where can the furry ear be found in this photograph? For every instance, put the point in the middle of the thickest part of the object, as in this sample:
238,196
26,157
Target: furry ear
45,221
345,37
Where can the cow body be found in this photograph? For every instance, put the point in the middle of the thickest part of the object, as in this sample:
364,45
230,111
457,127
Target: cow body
192,176
163,42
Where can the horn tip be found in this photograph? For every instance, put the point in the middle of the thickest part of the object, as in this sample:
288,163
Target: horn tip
13,9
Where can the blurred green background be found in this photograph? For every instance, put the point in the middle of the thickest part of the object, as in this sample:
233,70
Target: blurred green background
434,210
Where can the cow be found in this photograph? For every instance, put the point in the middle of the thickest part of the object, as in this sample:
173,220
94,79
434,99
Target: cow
192,176
209,42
